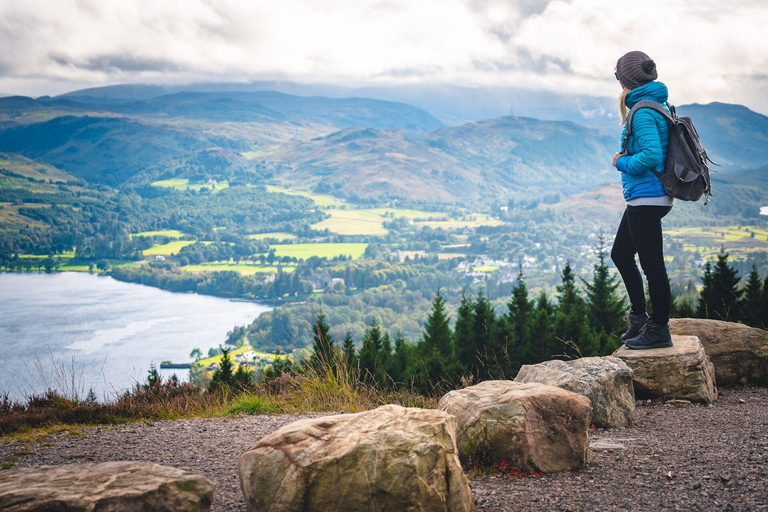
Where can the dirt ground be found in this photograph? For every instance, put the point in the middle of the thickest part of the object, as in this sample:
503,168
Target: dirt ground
680,457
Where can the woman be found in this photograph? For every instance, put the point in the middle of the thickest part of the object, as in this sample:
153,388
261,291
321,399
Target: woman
640,228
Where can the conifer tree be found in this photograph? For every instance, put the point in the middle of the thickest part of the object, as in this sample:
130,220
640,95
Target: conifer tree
369,353
401,360
464,341
348,351
752,304
572,328
437,328
224,374
436,367
323,348
492,356
520,311
543,345
706,297
724,295
606,308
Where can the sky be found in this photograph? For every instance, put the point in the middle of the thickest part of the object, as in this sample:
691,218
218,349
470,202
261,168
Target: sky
705,50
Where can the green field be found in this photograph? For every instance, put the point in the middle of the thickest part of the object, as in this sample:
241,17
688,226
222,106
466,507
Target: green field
352,222
276,235
202,363
472,221
168,249
320,250
319,199
408,213
737,240
246,269
183,184
170,233
250,155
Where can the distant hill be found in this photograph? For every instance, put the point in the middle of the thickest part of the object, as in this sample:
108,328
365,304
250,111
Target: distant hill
733,135
496,158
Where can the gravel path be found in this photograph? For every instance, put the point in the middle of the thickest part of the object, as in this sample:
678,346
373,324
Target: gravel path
682,457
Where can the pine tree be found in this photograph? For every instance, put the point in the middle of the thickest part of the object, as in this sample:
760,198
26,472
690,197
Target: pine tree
572,328
751,305
400,361
606,308
369,353
706,297
223,375
464,341
544,345
323,348
492,356
437,328
520,311
725,294
348,351
436,366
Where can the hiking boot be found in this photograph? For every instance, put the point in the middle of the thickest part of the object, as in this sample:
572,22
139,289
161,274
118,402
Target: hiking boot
652,335
636,323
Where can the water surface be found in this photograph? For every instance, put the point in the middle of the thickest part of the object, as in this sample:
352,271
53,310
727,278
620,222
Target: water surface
103,332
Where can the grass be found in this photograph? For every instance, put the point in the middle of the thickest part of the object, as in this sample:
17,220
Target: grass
252,404
319,199
327,250
473,221
184,184
277,235
250,155
167,249
246,269
170,233
353,222
486,268
737,240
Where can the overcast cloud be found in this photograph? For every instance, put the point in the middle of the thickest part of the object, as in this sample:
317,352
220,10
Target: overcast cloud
706,50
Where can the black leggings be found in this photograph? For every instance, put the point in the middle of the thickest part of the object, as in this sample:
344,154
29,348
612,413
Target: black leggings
640,233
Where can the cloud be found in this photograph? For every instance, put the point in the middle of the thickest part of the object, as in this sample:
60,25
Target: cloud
705,50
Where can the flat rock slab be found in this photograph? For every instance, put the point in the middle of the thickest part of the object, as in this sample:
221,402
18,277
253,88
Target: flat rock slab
390,458
681,371
108,486
739,352
606,381
602,445
531,426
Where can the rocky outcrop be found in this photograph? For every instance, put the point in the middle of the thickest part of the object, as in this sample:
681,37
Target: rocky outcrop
681,371
739,352
606,381
531,426
391,458
124,486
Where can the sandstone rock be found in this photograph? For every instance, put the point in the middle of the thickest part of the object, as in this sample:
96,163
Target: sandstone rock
531,426
109,486
391,458
606,381
739,352
681,371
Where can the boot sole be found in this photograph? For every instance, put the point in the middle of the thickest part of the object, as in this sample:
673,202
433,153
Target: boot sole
648,347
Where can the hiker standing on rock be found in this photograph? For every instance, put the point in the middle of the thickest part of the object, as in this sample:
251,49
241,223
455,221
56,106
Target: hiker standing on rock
647,203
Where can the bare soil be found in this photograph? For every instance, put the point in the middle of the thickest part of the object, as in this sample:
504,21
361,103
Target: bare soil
679,457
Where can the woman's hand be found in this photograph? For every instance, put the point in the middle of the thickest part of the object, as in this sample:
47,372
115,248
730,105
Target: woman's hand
616,157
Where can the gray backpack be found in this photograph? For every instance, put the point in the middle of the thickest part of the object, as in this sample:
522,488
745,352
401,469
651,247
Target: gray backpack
686,173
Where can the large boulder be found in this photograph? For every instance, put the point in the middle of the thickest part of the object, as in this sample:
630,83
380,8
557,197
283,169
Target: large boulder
124,486
680,371
739,352
531,426
606,381
390,458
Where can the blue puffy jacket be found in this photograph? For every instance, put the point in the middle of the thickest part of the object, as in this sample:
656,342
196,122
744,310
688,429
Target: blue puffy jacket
647,146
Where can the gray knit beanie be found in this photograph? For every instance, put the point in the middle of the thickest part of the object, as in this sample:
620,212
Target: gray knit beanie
634,69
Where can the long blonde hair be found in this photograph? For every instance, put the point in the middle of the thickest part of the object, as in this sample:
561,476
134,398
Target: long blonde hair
623,110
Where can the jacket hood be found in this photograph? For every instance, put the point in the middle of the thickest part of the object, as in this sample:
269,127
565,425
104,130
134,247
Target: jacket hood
654,91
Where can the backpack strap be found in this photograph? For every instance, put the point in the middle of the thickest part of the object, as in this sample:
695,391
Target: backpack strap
653,105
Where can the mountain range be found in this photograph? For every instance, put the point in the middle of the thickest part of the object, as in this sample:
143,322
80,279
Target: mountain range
360,148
